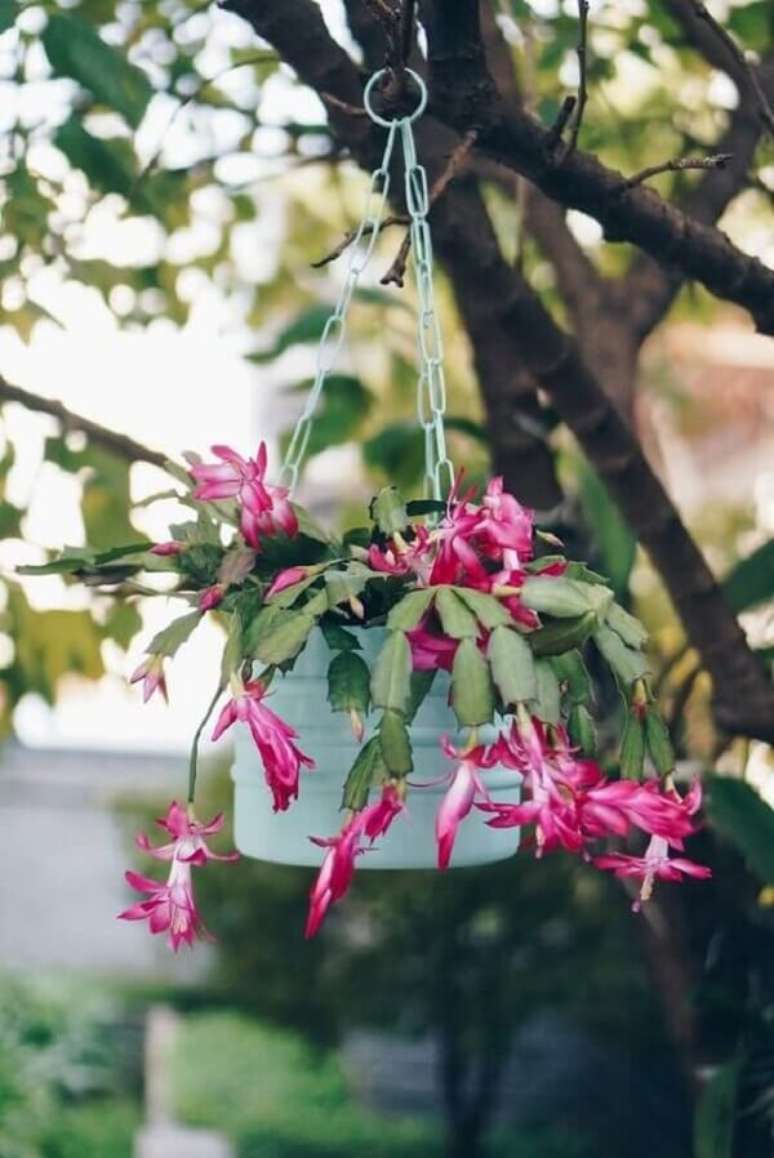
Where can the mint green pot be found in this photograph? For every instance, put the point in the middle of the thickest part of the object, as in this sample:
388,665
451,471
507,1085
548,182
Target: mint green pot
301,698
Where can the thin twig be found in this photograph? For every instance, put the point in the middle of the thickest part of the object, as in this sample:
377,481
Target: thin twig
396,274
678,165
750,72
111,440
582,53
351,110
347,240
407,30
397,270
560,124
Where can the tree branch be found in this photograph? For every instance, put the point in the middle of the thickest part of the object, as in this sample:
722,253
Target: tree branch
118,444
529,337
650,288
582,54
677,165
745,73
464,95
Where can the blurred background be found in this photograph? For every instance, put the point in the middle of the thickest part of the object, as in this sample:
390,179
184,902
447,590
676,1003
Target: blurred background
167,184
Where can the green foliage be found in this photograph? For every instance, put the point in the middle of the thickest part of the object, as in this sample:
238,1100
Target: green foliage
8,12
395,743
738,812
398,452
106,499
632,754
68,1072
75,49
548,698
628,664
279,636
752,581
170,639
513,667
345,405
349,683
368,770
456,620
388,511
716,1114
613,538
390,681
472,698
406,615
561,597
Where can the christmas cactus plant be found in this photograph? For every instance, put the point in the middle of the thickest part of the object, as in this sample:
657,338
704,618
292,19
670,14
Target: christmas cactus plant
467,586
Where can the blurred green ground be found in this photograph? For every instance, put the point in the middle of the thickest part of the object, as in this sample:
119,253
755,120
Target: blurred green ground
70,1056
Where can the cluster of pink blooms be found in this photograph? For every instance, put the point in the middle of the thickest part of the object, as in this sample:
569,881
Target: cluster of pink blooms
482,546
171,907
264,509
568,800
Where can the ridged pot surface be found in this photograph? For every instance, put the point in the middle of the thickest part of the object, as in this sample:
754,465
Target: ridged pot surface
301,698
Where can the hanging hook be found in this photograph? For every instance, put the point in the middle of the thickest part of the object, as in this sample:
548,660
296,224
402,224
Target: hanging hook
383,121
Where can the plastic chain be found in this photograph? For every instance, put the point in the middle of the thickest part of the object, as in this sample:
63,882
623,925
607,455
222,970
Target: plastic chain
431,384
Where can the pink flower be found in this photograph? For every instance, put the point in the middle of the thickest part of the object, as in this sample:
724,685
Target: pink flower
211,597
169,548
571,802
265,508
655,865
151,672
338,867
282,759
335,876
504,524
378,817
457,561
404,558
287,578
466,786
170,906
431,652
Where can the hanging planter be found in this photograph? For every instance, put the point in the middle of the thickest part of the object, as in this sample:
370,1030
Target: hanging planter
398,691
334,742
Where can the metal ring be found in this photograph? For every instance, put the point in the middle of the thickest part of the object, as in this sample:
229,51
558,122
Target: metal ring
369,88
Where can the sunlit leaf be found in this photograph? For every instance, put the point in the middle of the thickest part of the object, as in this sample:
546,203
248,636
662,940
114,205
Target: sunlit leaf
76,50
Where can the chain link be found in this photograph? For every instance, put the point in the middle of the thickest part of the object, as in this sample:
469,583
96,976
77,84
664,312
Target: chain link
431,382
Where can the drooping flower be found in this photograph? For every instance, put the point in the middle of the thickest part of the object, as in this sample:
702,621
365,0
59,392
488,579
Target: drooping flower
338,867
465,789
656,864
151,673
274,739
336,873
170,906
571,802
264,508
379,816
